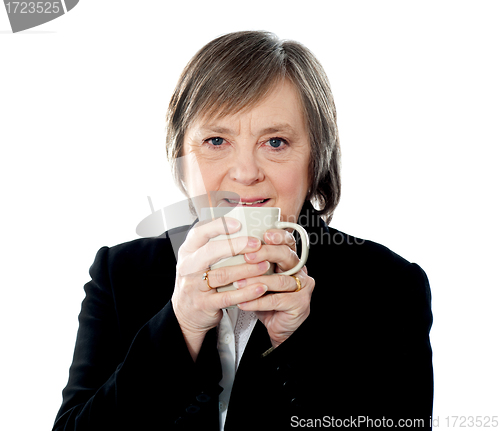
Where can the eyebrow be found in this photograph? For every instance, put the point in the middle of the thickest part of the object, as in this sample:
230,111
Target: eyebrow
278,128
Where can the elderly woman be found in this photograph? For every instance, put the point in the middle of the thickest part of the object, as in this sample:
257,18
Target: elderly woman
344,342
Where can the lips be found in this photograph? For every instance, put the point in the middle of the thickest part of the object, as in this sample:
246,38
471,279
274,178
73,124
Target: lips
247,202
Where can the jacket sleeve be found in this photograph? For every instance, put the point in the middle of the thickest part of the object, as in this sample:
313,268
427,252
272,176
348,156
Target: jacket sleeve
145,381
410,386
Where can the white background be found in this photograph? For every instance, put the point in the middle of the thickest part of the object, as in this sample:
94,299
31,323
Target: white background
82,106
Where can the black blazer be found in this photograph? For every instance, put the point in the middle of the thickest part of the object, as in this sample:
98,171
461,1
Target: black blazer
362,355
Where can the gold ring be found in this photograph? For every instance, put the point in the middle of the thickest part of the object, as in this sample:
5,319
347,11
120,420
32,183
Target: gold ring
205,277
299,284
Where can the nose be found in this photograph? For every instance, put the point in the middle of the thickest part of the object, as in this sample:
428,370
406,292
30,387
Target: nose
245,168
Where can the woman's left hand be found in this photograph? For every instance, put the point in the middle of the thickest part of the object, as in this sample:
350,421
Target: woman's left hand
283,311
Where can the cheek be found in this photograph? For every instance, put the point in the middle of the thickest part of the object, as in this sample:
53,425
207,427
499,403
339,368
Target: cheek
194,180
292,185
211,177
301,176
200,175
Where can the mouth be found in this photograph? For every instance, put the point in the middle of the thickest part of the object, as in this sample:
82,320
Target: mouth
246,202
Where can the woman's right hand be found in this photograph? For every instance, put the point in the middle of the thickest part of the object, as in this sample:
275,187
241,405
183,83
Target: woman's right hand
197,307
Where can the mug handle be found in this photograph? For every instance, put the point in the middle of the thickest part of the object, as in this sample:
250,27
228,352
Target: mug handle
304,238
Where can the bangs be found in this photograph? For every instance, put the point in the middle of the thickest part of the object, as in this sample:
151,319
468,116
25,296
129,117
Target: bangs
226,77
232,99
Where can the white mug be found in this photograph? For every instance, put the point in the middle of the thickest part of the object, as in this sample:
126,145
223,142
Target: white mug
254,222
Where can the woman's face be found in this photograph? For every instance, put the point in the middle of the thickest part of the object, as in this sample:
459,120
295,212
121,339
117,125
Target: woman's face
261,154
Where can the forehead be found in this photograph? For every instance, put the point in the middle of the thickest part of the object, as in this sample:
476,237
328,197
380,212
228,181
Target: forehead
280,110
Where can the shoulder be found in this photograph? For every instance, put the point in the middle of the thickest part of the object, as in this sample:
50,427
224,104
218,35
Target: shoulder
344,250
329,243
142,255
363,254
137,277
366,266
354,261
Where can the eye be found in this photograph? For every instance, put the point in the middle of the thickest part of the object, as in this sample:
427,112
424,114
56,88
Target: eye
215,141
277,143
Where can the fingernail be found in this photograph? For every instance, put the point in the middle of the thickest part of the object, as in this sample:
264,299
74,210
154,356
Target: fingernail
240,283
232,223
253,242
263,266
251,256
261,289
270,237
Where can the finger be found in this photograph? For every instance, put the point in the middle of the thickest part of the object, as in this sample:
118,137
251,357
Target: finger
280,236
234,297
282,255
228,274
213,251
277,282
201,233
276,302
